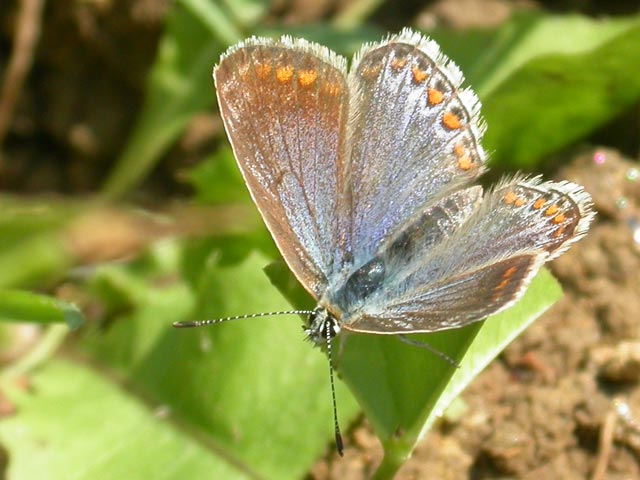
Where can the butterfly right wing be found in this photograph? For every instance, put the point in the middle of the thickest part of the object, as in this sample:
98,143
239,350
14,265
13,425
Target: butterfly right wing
483,267
284,105
413,135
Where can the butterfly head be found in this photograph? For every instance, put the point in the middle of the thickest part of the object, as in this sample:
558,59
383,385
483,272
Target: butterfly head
322,326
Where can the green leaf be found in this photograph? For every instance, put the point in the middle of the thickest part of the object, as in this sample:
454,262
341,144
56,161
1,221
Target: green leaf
23,306
218,179
403,388
232,401
34,260
253,390
179,86
33,249
91,428
554,82
530,37
547,81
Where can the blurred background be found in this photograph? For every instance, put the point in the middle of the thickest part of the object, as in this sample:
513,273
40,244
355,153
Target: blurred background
121,211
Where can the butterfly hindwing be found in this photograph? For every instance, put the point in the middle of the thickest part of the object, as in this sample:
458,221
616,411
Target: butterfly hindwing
485,266
455,301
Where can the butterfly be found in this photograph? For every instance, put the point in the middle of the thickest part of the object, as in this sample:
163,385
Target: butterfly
365,175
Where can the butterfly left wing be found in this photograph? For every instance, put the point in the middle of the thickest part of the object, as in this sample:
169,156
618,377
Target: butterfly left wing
284,105
484,267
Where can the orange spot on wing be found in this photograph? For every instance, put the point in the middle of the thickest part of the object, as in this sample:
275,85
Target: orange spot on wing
307,77
561,217
451,121
559,232
284,74
552,210
519,202
539,203
398,63
263,70
506,280
371,72
419,75
510,197
510,271
464,159
465,163
435,96
331,89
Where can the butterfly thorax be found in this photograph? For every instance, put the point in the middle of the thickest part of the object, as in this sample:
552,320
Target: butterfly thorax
360,284
345,297
340,303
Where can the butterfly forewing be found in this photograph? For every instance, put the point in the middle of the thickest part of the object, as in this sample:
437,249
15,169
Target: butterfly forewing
413,135
284,106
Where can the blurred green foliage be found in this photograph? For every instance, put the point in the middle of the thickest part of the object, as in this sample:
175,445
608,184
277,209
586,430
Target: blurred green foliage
134,398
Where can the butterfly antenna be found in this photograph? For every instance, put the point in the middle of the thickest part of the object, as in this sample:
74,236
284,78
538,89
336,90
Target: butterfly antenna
203,323
429,348
336,425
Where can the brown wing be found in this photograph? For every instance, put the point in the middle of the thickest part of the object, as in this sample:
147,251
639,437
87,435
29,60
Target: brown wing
284,105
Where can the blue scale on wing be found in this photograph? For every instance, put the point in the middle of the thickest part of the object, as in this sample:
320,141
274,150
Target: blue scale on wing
401,156
425,231
485,265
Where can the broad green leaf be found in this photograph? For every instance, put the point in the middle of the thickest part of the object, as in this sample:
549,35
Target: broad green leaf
34,260
218,179
178,87
403,388
528,38
547,81
75,423
33,249
252,389
556,99
24,306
